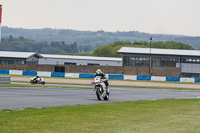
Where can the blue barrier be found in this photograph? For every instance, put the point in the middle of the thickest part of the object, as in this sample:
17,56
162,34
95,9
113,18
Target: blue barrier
197,80
53,74
4,71
176,79
115,76
110,76
83,75
30,73
143,77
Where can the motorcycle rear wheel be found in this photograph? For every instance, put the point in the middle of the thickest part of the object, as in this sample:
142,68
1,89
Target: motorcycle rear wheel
43,83
106,97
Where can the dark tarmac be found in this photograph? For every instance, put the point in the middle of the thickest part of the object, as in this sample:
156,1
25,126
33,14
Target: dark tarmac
37,97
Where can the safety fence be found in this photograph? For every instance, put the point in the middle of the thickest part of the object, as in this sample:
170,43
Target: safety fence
110,76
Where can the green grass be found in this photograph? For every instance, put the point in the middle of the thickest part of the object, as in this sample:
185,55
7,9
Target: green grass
160,116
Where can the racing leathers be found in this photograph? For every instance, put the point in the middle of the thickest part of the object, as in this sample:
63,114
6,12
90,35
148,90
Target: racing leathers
103,76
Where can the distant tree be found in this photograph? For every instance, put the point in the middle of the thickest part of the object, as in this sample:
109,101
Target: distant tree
21,38
74,47
10,38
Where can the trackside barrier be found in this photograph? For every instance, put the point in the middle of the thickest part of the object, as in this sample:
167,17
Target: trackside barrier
175,79
72,75
110,76
143,77
130,77
83,75
15,72
30,73
187,80
158,78
197,79
53,74
4,71
45,74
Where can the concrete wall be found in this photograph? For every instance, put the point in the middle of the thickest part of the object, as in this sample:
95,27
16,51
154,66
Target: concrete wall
126,70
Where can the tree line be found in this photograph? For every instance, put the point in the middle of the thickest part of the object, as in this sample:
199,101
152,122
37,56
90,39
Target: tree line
55,47
93,38
110,50
25,45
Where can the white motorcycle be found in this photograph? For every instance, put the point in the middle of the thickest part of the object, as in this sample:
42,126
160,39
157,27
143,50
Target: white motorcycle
100,88
37,81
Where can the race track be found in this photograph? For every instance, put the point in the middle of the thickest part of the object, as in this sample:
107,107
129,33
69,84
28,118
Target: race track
36,97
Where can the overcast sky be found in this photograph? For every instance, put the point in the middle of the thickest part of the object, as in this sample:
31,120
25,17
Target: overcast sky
181,17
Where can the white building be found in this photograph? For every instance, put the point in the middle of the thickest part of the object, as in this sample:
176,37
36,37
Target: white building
78,60
187,60
9,57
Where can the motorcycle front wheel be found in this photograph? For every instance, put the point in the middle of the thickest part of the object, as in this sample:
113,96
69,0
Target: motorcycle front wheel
99,92
32,82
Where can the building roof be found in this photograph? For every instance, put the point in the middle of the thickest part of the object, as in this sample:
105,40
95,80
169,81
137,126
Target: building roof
81,57
156,51
11,54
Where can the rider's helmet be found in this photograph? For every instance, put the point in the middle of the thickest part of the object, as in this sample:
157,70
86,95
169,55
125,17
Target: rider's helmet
99,71
37,76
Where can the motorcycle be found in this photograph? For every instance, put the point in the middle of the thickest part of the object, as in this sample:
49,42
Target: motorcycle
37,81
100,87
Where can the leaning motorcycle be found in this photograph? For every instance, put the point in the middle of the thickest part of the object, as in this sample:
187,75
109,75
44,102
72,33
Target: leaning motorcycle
100,88
37,81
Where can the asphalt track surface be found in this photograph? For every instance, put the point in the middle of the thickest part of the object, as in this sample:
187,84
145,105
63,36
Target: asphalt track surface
37,97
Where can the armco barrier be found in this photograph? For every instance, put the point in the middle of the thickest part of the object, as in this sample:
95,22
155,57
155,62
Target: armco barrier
143,77
111,76
53,74
4,71
83,75
30,73
174,79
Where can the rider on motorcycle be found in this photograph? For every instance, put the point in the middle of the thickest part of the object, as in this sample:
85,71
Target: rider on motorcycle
103,76
37,79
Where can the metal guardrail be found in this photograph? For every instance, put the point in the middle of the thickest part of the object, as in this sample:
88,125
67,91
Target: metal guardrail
4,80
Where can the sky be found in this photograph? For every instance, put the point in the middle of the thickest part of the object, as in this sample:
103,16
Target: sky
179,17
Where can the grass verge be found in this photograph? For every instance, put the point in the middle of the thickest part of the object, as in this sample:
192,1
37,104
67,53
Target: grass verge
166,116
